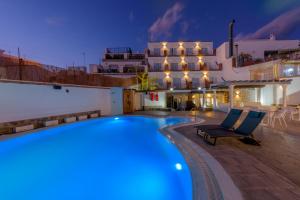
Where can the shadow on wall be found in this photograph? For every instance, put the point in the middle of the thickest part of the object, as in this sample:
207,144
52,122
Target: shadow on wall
292,99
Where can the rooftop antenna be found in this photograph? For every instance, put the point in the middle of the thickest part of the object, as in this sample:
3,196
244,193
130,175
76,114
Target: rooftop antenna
20,63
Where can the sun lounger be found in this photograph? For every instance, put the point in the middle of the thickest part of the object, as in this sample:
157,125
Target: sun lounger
227,124
245,130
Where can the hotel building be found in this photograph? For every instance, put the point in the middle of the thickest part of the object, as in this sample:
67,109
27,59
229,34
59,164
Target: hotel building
182,65
121,62
194,73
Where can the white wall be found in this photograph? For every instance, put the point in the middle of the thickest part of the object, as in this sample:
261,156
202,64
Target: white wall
293,92
257,48
116,101
161,103
268,96
28,101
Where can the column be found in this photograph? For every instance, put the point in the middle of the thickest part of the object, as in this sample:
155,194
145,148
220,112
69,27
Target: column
258,95
231,97
203,100
284,95
215,99
275,95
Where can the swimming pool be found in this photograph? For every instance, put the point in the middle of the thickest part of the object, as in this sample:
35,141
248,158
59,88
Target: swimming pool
110,158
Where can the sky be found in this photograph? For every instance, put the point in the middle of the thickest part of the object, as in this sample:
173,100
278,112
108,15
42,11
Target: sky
59,32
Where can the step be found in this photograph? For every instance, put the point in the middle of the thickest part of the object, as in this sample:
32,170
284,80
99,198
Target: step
82,117
51,123
19,129
69,119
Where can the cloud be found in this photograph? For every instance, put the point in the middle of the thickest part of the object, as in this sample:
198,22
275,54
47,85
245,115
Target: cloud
131,17
280,26
55,21
163,25
275,6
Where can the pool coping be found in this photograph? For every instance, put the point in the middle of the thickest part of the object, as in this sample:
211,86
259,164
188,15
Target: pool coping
206,172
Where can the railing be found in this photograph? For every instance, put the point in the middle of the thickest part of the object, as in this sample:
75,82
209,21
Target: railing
218,67
179,54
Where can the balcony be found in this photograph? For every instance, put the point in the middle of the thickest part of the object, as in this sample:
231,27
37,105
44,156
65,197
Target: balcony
124,57
189,85
179,53
126,70
204,67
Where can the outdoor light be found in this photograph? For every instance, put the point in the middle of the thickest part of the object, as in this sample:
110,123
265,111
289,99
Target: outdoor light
180,44
186,75
200,59
166,61
199,88
178,166
182,60
167,75
171,89
164,44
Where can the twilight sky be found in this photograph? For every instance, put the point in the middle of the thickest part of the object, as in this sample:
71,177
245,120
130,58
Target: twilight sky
59,31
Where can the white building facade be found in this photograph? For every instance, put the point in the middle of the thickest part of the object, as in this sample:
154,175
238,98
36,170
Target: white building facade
182,65
186,72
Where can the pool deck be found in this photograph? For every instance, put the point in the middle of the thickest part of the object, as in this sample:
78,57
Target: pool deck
269,171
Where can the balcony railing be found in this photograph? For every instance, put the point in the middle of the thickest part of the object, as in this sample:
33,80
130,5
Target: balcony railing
187,86
123,57
125,71
218,67
178,55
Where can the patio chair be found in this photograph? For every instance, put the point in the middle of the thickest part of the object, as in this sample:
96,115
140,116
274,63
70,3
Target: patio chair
280,116
245,130
227,124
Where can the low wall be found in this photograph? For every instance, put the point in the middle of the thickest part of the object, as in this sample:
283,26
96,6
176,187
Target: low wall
27,100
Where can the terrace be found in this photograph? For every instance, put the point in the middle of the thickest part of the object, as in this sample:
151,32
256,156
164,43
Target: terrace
269,171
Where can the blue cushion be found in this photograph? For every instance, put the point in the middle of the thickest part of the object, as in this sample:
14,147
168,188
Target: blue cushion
231,118
252,120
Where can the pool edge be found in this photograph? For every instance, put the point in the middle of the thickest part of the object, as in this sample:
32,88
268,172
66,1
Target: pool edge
206,171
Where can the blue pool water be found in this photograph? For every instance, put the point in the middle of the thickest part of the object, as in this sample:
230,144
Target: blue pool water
110,158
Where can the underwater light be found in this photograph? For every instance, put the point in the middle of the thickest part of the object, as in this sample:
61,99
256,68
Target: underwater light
116,118
178,166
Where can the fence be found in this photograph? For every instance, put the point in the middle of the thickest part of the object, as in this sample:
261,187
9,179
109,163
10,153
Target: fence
39,74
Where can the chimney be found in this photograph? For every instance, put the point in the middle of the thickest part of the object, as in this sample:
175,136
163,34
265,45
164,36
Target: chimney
231,26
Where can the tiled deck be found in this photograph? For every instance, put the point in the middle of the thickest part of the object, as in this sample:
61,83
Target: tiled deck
269,171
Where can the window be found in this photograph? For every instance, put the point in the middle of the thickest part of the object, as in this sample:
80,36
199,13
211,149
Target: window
191,66
195,82
173,52
177,83
204,51
157,67
160,83
189,51
156,51
174,66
